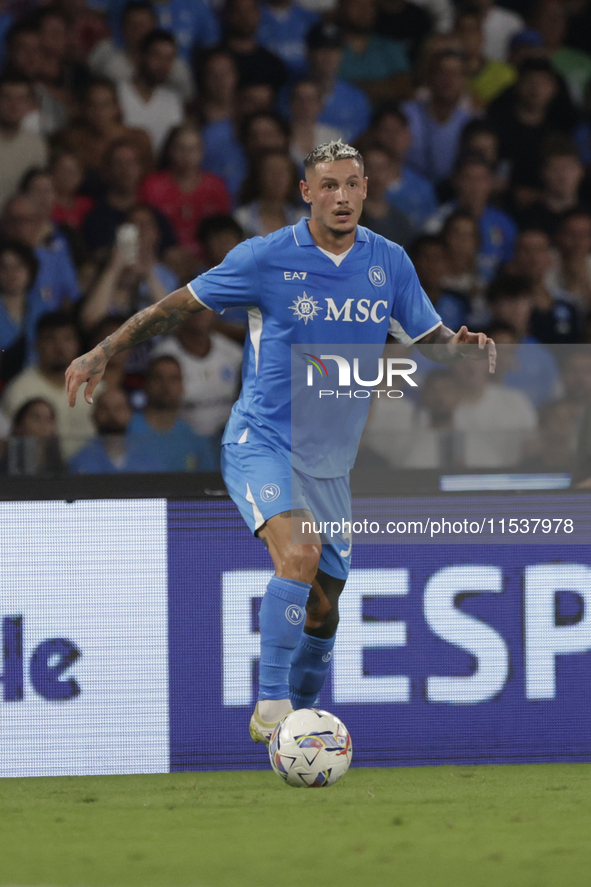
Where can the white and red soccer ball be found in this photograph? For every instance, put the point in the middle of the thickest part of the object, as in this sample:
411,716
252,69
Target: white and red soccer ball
310,748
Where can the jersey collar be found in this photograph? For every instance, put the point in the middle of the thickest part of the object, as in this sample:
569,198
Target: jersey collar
302,236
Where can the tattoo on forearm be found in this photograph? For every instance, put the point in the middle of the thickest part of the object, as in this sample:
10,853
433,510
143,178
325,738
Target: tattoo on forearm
437,342
152,321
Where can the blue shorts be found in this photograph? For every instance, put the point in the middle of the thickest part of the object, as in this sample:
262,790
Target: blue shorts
263,483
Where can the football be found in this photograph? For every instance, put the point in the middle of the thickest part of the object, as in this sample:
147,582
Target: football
310,748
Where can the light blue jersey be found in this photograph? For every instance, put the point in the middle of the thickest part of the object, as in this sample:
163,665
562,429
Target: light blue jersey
296,295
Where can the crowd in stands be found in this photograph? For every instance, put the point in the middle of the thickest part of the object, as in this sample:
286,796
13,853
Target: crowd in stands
141,141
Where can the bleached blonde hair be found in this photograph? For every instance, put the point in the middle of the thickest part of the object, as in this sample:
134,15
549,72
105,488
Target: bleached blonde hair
329,151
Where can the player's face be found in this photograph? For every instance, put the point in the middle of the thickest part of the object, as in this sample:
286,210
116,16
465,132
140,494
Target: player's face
335,192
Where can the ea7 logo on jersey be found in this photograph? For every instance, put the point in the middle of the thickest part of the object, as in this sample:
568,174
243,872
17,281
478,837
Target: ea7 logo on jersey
295,275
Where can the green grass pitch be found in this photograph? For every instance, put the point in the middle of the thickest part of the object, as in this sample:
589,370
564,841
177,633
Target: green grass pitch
514,826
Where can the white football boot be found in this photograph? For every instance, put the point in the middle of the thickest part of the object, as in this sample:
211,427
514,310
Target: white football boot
261,730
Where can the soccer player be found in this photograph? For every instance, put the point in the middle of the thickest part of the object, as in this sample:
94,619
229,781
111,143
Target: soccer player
325,279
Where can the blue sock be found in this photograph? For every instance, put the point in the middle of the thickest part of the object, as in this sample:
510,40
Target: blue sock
309,668
281,620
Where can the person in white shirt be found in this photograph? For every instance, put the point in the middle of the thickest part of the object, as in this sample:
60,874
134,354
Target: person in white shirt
145,101
19,149
496,422
210,363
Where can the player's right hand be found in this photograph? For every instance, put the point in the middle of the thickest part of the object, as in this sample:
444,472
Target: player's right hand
88,368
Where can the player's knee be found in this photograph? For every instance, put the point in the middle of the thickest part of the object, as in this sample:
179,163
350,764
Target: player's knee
300,562
328,626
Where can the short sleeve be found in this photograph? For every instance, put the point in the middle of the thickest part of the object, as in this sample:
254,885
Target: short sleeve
413,314
233,284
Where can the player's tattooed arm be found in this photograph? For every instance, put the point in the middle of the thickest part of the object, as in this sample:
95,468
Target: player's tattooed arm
442,345
155,320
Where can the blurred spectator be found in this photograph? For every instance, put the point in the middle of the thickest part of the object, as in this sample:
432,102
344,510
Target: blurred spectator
241,21
264,131
271,196
283,29
511,302
19,312
523,116
61,74
582,133
33,446
473,183
523,363
223,154
479,137
405,22
379,214
408,191
145,101
163,434
553,448
428,256
499,25
19,149
496,421
122,173
56,284
46,114
343,105
38,185
550,19
487,78
57,345
582,469
460,239
435,442
373,63
71,207
210,365
99,128
306,130
561,173
571,271
218,80
113,450
193,23
437,122
218,235
120,63
133,277
86,27
182,190
575,375
555,320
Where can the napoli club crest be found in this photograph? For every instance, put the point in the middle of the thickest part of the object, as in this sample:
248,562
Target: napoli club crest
377,275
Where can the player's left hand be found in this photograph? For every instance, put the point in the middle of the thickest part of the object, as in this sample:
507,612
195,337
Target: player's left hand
464,341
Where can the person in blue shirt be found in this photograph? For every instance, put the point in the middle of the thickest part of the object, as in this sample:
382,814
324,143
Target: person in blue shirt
193,22
162,432
474,182
344,106
283,29
408,191
323,280
114,450
19,311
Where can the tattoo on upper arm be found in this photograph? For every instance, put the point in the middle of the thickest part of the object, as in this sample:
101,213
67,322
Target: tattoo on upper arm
295,512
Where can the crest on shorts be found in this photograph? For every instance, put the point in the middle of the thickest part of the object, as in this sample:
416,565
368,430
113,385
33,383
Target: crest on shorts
270,492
